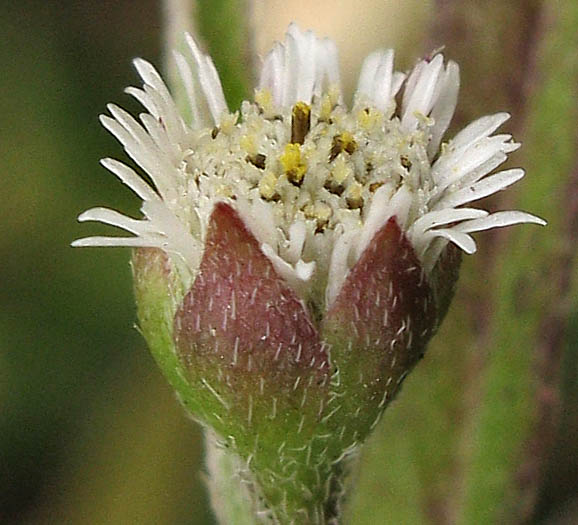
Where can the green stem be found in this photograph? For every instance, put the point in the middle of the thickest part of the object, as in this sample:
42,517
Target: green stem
237,497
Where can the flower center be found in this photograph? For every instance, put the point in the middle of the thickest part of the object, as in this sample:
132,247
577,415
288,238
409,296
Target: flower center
305,177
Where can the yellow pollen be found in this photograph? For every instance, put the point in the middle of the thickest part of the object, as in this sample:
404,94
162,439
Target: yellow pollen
353,195
224,190
368,118
264,98
424,119
267,185
247,143
293,166
341,171
228,122
342,142
320,211
348,141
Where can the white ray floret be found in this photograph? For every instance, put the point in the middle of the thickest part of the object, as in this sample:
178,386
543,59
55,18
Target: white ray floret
376,80
300,67
209,80
313,180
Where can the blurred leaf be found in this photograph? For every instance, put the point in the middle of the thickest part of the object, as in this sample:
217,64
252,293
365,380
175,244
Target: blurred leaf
67,314
559,488
136,459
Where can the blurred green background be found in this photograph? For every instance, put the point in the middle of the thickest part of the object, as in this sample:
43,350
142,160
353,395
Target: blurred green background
89,430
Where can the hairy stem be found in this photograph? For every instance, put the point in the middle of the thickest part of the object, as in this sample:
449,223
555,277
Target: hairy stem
236,495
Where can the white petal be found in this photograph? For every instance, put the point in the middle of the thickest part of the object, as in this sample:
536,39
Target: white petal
445,106
147,156
400,204
271,73
120,133
296,277
481,189
499,220
375,80
172,150
258,216
421,99
180,240
439,218
299,68
306,54
396,83
460,239
144,99
468,179
452,167
133,242
162,98
477,130
141,137
189,82
291,72
151,77
411,83
303,270
338,266
209,80
367,75
380,211
328,66
114,218
297,235
292,69
129,177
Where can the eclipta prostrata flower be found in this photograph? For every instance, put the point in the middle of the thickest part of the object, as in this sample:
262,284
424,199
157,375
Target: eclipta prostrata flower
305,249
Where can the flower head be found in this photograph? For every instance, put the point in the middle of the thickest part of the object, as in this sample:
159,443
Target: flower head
309,246
312,179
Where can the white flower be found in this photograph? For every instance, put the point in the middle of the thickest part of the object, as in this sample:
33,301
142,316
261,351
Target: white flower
313,180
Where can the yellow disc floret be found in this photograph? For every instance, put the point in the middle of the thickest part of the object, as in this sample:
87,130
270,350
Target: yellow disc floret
369,118
320,212
267,185
344,141
248,143
264,98
293,166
